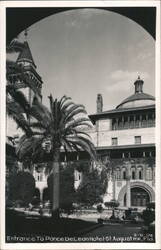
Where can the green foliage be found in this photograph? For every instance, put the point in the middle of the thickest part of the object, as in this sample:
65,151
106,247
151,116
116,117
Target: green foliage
151,205
148,214
81,166
21,187
67,191
92,188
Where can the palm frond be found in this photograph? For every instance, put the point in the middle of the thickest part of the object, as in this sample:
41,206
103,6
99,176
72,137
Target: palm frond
18,97
66,106
73,111
76,133
62,124
84,146
83,121
38,125
41,114
28,146
63,100
13,111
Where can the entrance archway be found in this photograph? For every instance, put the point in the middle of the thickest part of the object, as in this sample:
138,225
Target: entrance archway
23,18
145,194
139,197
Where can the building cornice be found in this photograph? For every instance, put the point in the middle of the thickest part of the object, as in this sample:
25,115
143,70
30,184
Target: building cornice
121,111
149,145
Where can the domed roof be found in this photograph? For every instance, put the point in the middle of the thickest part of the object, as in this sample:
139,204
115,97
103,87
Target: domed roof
138,98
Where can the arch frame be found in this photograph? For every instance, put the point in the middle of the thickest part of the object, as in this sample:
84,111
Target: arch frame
20,18
138,184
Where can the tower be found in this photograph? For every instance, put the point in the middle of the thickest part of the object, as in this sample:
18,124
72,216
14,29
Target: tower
99,103
138,85
26,77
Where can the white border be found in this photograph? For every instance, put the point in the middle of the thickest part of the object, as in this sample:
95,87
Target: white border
17,246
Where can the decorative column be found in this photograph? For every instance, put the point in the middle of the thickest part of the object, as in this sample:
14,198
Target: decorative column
134,121
140,121
128,188
147,122
113,186
97,132
128,121
117,123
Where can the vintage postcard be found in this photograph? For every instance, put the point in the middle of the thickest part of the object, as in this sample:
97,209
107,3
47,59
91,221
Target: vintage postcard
80,125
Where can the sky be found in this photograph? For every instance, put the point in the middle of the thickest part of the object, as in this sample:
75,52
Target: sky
81,53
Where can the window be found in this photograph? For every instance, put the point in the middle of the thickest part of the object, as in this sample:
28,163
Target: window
140,175
114,141
133,175
137,139
114,124
124,175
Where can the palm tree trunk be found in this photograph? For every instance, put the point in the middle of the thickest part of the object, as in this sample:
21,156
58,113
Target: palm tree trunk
55,200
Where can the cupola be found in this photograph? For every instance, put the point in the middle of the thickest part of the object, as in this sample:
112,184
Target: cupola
138,99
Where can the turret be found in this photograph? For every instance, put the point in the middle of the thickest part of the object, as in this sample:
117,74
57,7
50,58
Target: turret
138,85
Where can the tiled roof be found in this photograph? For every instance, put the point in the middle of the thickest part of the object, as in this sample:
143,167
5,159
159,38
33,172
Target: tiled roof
25,54
115,111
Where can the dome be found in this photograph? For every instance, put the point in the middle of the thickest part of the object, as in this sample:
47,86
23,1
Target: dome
138,99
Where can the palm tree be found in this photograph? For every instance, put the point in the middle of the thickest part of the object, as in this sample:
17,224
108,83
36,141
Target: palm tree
63,125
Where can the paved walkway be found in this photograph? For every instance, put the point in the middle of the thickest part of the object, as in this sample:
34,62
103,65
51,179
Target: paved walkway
116,233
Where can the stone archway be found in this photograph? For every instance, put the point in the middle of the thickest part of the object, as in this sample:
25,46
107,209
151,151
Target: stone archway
146,189
23,18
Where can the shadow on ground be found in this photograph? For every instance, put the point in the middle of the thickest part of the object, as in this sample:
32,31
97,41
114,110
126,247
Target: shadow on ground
21,226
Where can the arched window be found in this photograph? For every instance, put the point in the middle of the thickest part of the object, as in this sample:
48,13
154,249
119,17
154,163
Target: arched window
140,174
124,174
133,175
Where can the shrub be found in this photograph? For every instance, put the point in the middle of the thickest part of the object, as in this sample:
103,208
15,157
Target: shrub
21,188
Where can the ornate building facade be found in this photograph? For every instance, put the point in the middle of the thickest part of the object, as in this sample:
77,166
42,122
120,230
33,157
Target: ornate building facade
125,141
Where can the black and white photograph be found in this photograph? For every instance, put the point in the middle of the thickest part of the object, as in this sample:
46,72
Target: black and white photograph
81,111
